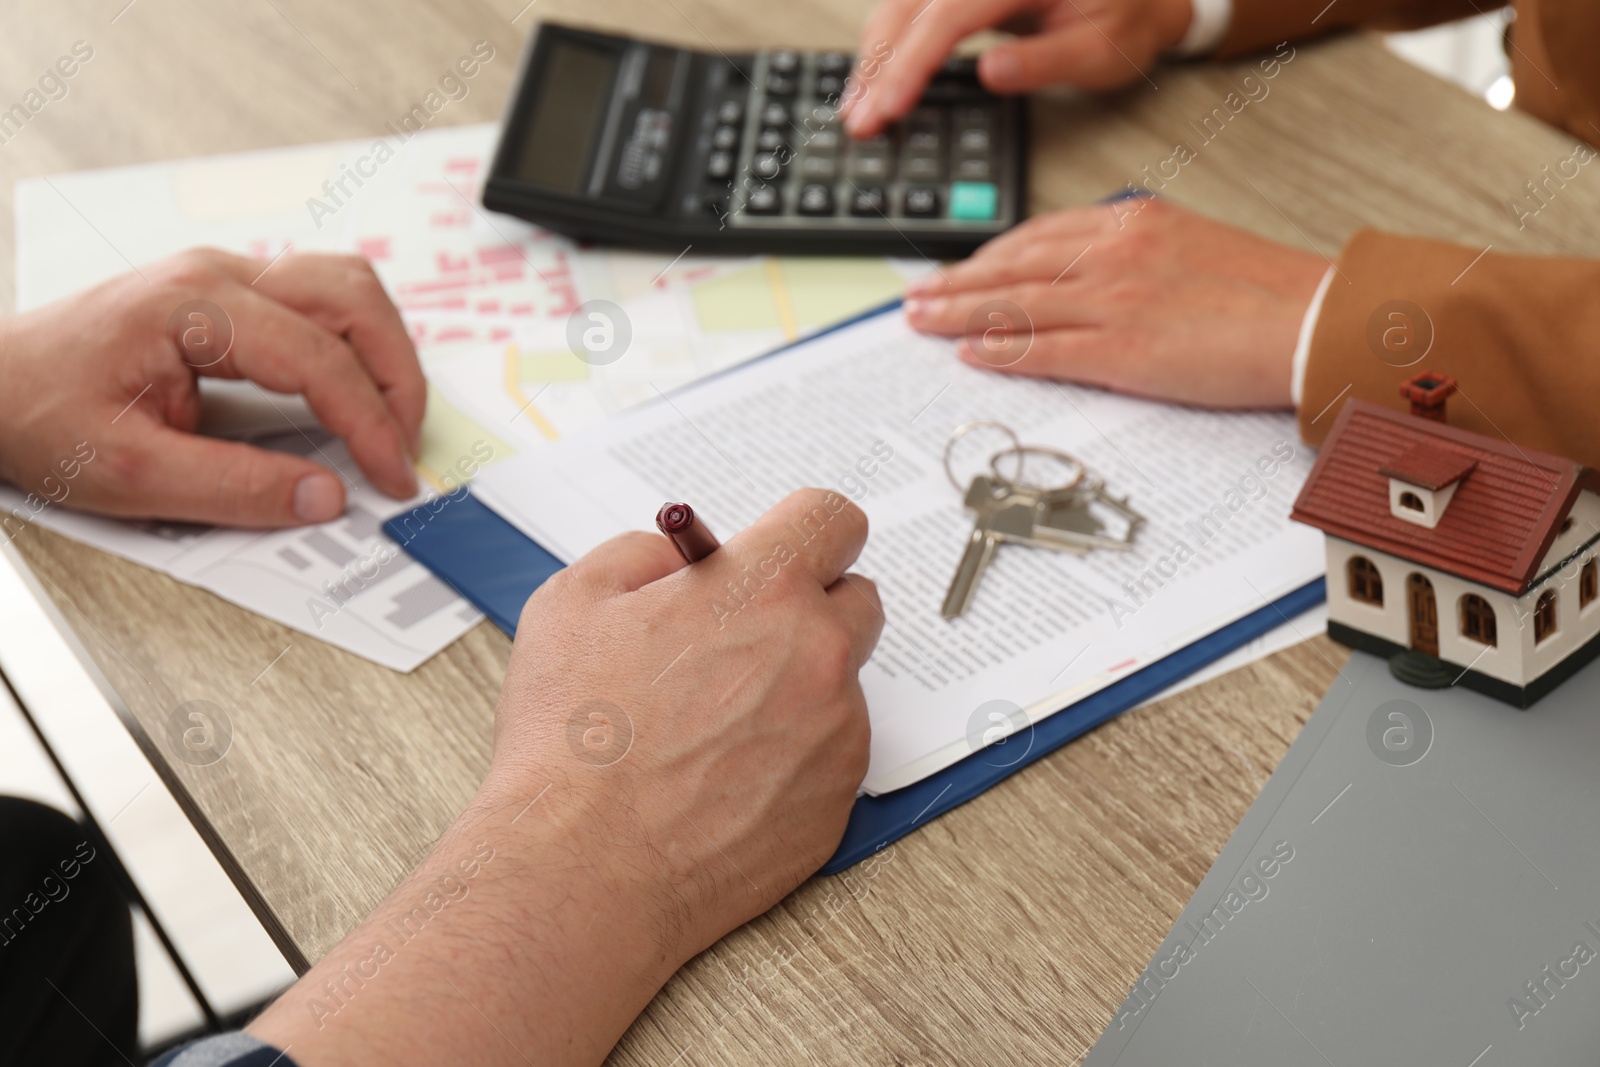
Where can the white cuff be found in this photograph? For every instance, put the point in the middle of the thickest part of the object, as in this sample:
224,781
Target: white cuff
1302,348
1207,28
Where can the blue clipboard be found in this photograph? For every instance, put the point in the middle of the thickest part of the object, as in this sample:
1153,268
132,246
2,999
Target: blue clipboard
497,567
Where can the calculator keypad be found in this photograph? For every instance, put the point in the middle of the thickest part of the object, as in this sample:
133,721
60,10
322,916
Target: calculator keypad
614,139
777,151
869,201
763,199
922,202
816,198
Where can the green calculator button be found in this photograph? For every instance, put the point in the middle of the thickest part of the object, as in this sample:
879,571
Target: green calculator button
974,201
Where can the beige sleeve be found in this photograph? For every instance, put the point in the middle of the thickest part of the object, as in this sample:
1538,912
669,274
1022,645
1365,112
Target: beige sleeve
1520,333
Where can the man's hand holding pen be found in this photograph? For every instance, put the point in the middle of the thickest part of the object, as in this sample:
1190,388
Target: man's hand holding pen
764,705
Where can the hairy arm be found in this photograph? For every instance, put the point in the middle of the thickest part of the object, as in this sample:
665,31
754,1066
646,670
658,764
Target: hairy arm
661,775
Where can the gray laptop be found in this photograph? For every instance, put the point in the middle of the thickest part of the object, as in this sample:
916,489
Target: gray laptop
1418,883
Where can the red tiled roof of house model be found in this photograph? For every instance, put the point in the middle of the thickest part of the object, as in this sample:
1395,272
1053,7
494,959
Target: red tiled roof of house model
1505,512
1430,466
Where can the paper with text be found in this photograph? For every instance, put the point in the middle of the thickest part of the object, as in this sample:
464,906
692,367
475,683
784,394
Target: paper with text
867,411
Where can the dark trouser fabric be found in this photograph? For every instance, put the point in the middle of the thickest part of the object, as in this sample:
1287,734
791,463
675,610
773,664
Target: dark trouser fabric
68,991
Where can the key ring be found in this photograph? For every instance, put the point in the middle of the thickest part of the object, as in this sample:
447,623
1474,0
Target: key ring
1022,451
977,424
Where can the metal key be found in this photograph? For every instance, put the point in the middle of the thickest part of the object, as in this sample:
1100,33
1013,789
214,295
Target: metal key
1067,519
1005,513
1062,520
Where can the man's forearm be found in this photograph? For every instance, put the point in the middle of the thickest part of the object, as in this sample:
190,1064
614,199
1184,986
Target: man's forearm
507,940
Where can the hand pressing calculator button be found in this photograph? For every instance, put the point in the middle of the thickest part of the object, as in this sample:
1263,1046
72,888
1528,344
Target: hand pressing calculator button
613,139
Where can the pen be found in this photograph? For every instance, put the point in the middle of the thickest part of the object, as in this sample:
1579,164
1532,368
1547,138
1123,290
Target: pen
695,542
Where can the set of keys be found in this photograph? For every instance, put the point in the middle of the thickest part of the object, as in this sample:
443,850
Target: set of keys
1075,515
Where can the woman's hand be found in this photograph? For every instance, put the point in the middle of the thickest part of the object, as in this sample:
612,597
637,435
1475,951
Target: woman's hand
1139,296
113,373
1092,44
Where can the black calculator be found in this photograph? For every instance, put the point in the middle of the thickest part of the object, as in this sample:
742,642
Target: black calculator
619,141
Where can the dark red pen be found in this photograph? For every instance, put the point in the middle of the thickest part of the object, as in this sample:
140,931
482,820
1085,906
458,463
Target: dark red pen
695,542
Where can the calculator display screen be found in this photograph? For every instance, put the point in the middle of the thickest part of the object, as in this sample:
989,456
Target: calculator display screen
566,115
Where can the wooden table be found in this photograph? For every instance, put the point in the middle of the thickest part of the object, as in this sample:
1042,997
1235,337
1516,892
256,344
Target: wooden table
1007,931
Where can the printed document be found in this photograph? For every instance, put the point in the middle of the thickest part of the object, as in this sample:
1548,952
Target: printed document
867,411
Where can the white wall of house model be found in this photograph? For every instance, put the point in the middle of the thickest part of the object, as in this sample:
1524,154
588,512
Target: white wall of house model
1522,650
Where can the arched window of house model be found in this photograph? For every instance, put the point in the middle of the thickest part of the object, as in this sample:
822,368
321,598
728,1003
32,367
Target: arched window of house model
1588,584
1366,584
1411,501
1477,620
1544,616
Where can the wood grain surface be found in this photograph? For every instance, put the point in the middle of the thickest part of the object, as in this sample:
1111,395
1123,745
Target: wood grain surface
1006,931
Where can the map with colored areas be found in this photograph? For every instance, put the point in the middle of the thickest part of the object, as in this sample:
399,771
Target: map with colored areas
497,309
793,296
448,434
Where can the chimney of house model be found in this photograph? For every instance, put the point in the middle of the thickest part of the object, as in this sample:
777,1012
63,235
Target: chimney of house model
1428,393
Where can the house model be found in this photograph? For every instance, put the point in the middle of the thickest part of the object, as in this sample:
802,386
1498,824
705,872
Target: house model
1463,558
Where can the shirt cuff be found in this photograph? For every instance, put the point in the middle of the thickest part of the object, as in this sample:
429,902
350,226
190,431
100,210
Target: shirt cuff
1302,348
1207,27
225,1050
